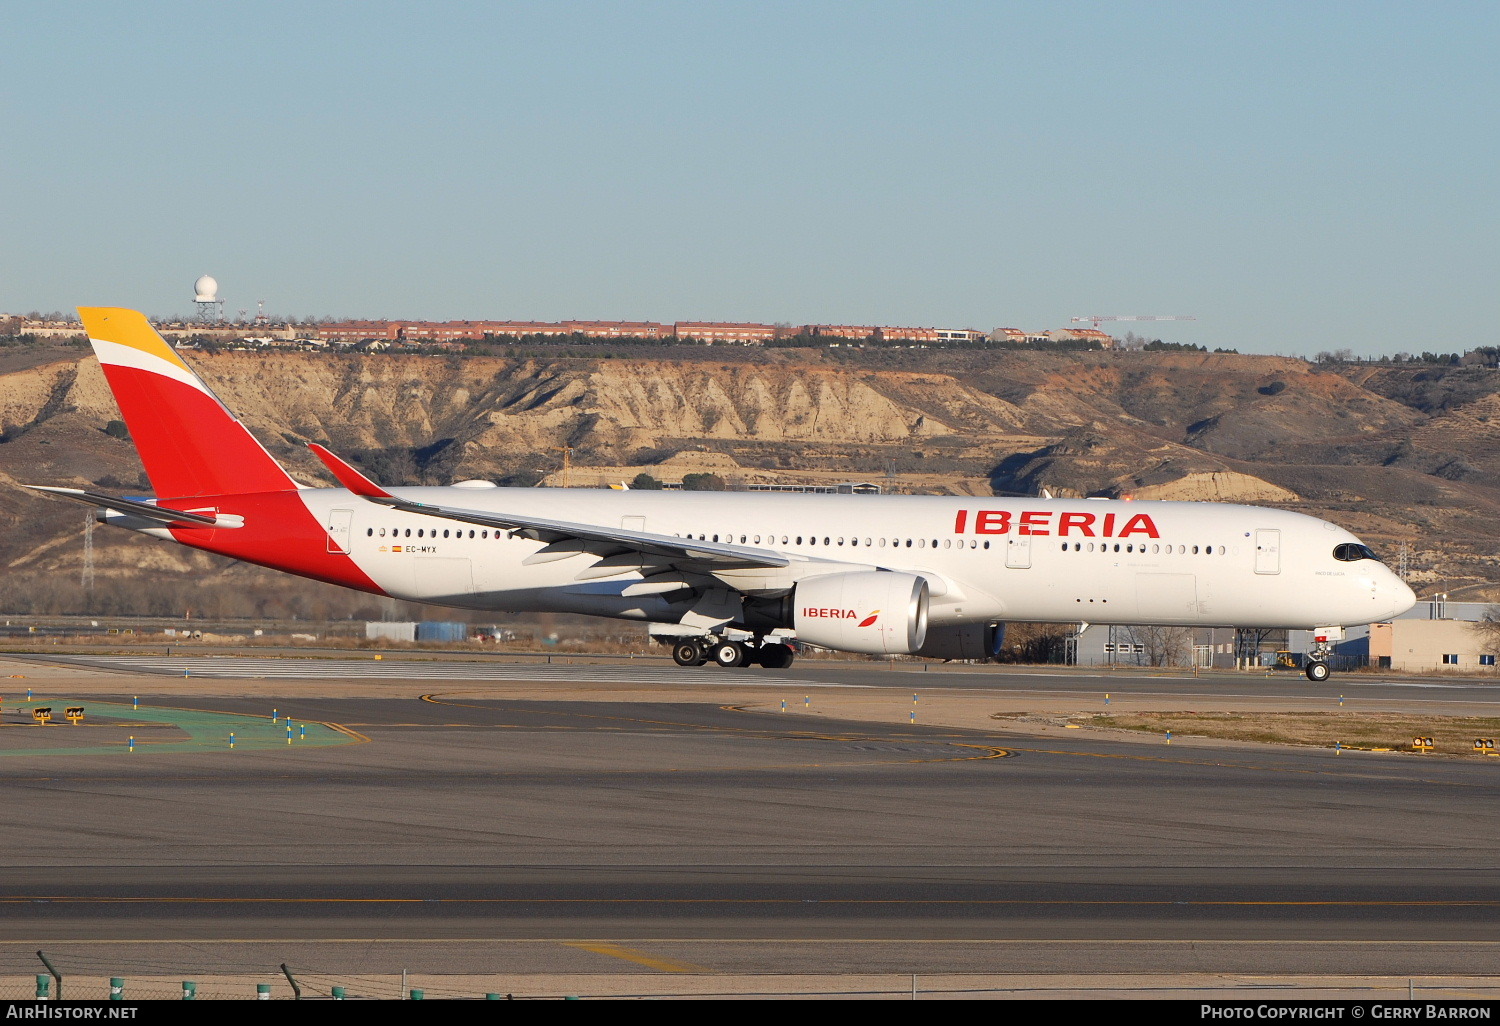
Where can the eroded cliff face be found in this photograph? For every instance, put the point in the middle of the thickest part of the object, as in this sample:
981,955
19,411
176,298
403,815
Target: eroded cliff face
526,405
1170,425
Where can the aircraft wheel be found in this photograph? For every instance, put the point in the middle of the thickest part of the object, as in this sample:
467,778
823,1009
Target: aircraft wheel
689,653
776,657
1317,671
729,653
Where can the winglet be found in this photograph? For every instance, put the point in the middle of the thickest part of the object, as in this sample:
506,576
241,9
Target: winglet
348,476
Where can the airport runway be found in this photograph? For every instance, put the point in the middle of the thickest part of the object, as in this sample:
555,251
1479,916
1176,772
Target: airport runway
665,821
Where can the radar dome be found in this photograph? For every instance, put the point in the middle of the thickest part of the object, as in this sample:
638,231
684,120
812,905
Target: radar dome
205,289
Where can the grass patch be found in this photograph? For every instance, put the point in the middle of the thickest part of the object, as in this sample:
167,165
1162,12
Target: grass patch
1451,735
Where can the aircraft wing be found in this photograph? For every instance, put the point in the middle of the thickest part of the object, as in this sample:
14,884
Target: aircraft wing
563,537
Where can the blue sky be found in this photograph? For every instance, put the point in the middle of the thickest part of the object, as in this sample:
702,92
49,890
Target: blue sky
1297,176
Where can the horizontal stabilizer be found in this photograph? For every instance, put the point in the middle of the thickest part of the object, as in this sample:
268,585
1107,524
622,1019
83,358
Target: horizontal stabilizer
147,510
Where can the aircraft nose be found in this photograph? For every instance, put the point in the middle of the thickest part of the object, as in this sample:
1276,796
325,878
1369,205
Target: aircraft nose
1394,596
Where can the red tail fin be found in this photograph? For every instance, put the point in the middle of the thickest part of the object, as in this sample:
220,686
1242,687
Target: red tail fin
188,440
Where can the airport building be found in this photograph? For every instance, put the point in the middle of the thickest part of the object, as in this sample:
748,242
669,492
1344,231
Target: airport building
393,332
1434,636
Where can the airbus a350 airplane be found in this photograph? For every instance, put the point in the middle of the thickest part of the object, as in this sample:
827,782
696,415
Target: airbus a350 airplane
737,573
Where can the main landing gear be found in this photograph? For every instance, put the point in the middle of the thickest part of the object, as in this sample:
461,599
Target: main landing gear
726,653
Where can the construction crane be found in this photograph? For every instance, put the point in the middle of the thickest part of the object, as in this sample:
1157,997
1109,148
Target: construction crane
1097,319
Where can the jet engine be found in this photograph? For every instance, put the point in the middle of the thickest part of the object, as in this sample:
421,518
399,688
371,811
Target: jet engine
875,612
969,641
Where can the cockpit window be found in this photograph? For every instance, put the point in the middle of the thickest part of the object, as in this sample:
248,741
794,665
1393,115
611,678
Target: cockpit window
1350,552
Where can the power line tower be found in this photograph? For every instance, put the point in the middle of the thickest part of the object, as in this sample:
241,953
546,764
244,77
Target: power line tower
567,471
88,560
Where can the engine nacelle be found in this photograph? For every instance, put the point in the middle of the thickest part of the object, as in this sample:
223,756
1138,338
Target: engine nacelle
970,641
875,612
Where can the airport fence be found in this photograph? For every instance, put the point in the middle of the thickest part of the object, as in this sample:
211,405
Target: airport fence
81,981
84,982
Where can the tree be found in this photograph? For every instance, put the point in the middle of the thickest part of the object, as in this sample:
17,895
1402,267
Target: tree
1164,646
644,482
1487,628
117,429
702,483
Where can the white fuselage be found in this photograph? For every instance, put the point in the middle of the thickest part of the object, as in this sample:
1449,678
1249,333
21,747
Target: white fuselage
1045,560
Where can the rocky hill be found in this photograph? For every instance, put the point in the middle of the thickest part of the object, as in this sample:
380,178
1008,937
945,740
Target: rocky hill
1403,455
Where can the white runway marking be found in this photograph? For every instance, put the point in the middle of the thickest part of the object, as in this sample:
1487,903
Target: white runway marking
364,669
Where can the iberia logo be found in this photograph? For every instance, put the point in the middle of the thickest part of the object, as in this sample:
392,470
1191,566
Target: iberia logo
841,614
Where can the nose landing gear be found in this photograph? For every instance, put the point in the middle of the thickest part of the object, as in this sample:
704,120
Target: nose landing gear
1317,660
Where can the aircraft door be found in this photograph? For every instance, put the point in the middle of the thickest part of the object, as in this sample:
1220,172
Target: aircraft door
633,524
339,522
1268,552
1018,552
